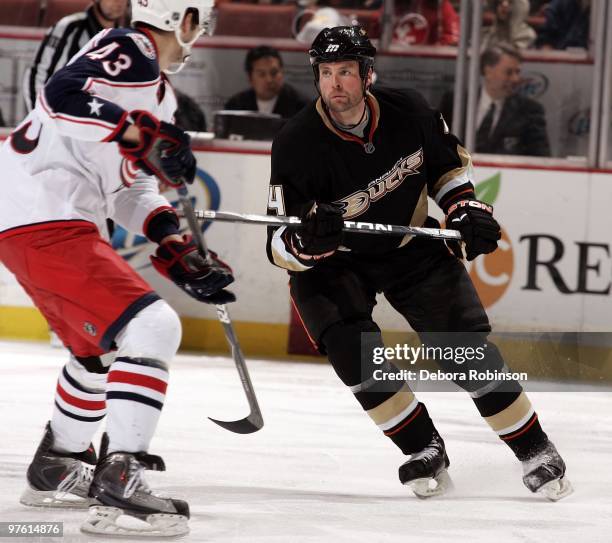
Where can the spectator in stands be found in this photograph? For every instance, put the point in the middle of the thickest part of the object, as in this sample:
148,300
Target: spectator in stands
425,22
509,25
268,93
566,25
507,123
65,38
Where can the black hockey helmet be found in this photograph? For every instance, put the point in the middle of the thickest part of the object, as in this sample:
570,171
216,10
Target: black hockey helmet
342,43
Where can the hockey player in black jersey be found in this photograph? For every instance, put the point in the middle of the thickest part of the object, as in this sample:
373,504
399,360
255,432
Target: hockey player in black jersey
373,154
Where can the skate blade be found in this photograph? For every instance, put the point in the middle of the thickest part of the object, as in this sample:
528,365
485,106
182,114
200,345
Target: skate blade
54,499
557,489
113,521
430,487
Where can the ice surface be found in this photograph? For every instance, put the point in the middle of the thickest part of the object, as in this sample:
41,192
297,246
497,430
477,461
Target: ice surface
319,470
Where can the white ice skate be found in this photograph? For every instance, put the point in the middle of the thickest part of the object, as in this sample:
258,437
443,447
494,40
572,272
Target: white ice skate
113,521
71,493
127,506
59,480
434,486
544,473
426,471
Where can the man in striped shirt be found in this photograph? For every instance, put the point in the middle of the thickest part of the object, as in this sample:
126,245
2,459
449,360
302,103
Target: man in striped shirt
64,40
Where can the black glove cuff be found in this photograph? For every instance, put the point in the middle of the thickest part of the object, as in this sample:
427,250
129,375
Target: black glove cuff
463,192
160,224
472,207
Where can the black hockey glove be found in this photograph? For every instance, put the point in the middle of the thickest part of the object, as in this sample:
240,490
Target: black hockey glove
202,279
320,233
474,219
163,150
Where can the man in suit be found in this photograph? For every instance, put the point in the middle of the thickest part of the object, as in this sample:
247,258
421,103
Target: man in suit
268,93
507,123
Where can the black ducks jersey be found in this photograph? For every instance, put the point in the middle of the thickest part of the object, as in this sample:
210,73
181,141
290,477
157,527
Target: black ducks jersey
405,155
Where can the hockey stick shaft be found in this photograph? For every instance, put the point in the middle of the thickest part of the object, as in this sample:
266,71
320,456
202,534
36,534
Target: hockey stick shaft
349,226
254,421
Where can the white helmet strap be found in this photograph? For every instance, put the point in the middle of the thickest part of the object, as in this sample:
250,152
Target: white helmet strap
186,46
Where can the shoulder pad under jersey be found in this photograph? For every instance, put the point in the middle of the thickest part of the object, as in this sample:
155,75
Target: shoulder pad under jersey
121,55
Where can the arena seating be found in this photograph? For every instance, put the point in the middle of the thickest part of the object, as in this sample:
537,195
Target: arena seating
56,9
534,21
20,12
266,21
368,18
235,18
275,21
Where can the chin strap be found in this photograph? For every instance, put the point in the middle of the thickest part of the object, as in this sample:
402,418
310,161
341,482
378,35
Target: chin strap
178,66
186,49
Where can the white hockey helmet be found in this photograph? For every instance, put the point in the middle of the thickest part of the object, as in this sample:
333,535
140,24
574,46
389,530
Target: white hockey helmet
169,14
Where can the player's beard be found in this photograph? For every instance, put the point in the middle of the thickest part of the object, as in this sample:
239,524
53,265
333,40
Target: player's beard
351,103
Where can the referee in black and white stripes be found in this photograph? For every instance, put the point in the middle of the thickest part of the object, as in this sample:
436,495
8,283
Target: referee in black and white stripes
64,39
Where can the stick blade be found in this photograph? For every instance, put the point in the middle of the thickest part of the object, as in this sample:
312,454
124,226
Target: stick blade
247,425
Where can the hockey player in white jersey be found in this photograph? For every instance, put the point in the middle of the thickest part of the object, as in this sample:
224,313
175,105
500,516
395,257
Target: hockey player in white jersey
96,145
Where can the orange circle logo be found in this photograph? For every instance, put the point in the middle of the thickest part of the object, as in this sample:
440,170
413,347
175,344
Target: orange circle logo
492,273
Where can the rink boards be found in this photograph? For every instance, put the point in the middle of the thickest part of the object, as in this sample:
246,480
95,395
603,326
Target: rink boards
551,272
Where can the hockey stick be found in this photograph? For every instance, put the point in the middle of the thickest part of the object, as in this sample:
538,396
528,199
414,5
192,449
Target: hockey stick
349,226
254,421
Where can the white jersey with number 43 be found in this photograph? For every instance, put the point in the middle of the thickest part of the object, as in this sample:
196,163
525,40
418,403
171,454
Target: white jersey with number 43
62,163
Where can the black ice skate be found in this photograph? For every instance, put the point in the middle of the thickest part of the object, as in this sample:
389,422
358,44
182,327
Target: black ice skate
126,505
545,473
426,471
59,479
